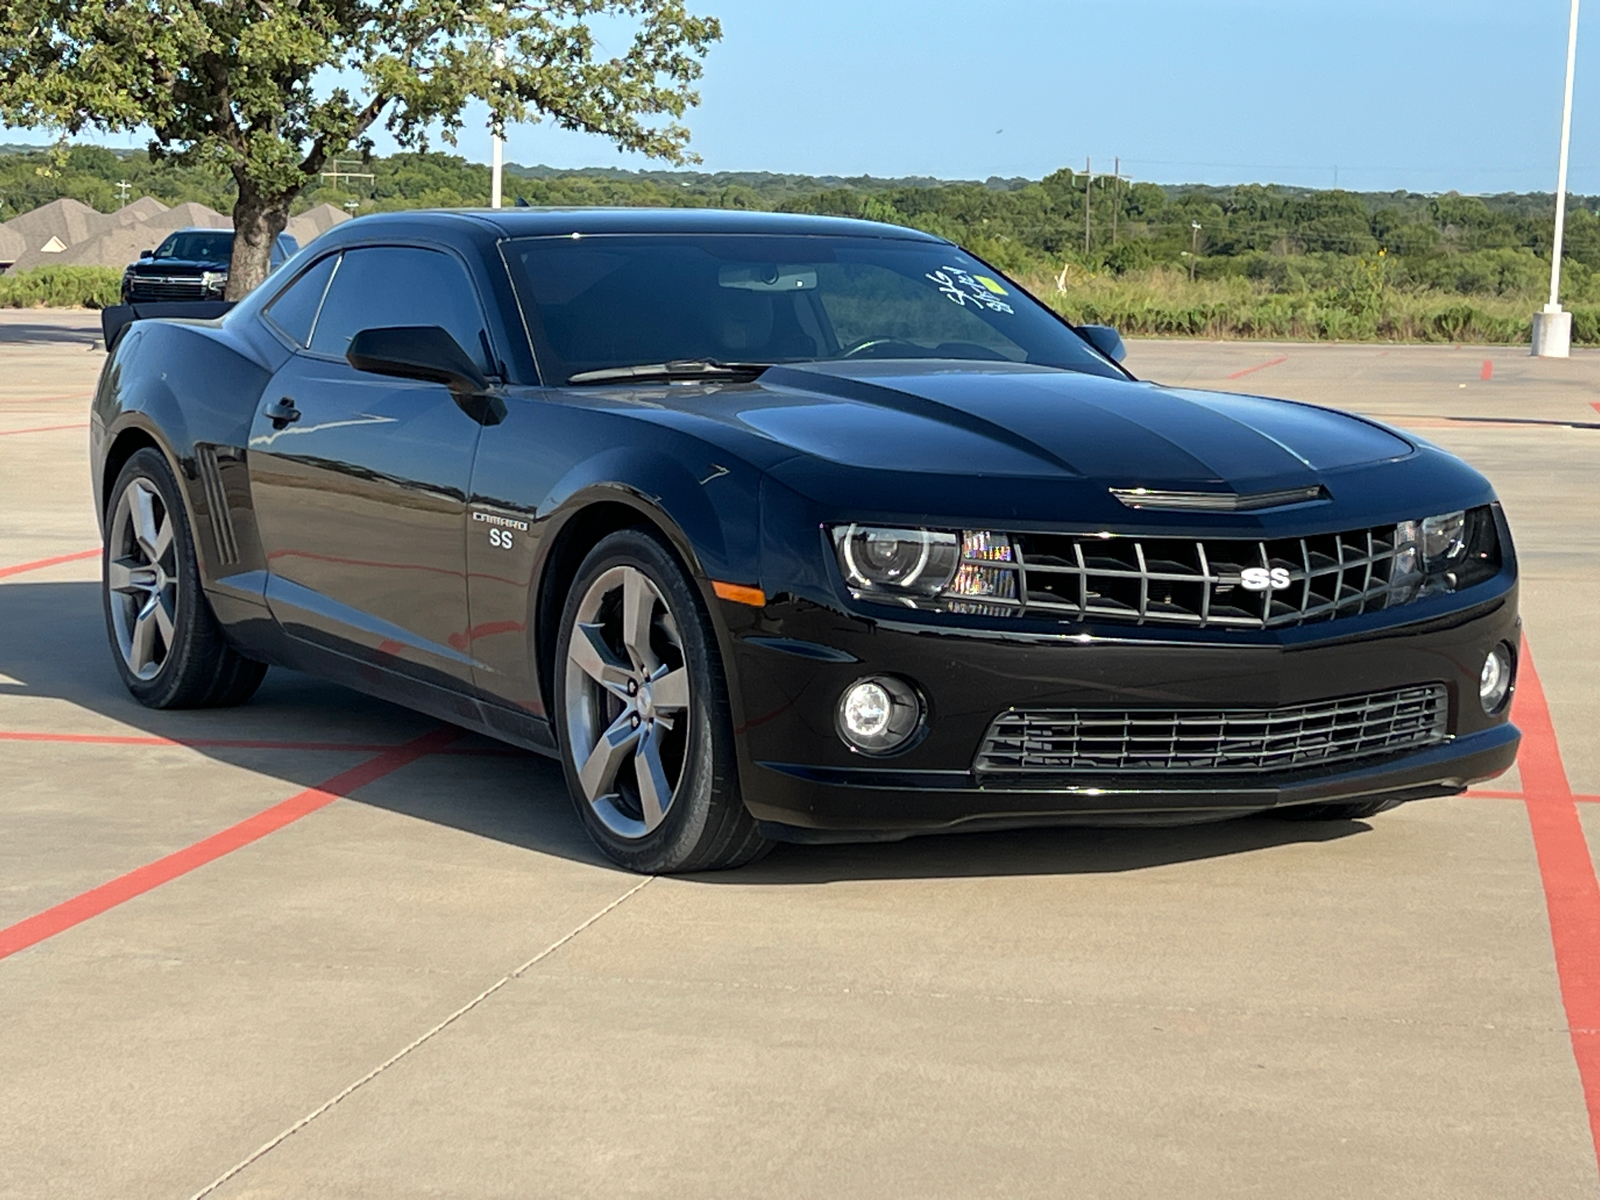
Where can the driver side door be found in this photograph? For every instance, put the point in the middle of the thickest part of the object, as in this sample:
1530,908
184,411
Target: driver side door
360,480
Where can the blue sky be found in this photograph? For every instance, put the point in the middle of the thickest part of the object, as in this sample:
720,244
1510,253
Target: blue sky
1422,94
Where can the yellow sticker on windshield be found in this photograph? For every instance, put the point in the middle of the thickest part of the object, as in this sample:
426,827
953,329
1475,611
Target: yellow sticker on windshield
963,288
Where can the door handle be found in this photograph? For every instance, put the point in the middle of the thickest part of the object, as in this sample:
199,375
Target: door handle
281,412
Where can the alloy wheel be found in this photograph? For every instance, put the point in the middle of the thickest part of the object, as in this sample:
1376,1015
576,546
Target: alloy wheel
142,579
627,702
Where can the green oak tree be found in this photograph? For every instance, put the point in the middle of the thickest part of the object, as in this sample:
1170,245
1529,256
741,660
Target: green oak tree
271,89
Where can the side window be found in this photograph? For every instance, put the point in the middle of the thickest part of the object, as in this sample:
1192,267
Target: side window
382,286
295,309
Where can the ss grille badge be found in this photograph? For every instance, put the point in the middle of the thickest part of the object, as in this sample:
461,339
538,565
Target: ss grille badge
1263,579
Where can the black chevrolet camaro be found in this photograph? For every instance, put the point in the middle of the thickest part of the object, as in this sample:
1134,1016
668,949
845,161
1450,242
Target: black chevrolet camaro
791,528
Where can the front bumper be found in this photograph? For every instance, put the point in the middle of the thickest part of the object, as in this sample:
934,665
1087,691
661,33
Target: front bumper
791,661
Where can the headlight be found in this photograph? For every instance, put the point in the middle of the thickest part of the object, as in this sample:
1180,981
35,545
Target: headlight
1443,554
918,562
1443,541
912,566
212,281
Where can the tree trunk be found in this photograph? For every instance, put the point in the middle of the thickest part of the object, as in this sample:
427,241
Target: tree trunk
257,221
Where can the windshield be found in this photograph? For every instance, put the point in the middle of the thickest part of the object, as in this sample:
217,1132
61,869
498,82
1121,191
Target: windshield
599,302
198,247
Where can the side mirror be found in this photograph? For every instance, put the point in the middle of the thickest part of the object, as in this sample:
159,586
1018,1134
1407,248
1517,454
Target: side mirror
1106,340
146,253
416,352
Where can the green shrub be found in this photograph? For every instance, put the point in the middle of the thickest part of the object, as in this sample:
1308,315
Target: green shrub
61,287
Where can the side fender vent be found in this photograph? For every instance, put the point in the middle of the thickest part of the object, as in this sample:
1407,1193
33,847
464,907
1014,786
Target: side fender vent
205,460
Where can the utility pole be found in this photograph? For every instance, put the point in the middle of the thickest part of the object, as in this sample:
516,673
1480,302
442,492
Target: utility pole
122,192
1088,183
1116,195
1194,246
1552,328
333,174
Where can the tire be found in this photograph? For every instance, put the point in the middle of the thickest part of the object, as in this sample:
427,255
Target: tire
1356,810
165,640
642,714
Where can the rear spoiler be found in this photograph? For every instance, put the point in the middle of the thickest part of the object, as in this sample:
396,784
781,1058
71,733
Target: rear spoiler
118,317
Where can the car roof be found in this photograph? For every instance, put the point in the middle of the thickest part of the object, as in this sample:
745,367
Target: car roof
536,222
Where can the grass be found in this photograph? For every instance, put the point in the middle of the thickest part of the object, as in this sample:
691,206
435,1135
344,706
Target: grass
1165,303
61,287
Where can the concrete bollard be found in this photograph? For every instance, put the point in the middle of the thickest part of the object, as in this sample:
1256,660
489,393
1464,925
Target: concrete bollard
1552,333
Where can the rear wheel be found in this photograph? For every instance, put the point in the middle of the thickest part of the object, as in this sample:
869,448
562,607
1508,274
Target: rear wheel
166,643
646,737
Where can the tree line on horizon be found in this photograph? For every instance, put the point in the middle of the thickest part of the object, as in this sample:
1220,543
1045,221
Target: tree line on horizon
1365,253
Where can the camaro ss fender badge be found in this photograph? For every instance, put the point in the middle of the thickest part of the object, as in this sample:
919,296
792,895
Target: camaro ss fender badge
1263,579
500,535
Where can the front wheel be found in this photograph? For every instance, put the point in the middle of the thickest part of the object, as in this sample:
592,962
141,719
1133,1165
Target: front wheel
646,737
166,643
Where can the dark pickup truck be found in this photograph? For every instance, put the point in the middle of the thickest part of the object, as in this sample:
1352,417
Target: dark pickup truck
191,264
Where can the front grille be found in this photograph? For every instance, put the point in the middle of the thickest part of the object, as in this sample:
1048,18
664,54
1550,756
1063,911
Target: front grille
166,287
1065,741
1184,581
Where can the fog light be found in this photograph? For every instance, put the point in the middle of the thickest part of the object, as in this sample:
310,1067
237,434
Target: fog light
879,715
1494,681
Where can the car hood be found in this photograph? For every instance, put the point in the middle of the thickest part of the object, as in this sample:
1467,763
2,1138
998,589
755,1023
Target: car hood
1017,420
175,266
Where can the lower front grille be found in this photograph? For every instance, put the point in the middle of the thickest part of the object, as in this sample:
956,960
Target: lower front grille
1215,741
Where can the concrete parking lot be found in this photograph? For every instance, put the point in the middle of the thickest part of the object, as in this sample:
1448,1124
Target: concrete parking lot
317,946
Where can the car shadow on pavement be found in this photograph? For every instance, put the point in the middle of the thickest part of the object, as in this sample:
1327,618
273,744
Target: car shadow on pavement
1055,850
20,333
53,648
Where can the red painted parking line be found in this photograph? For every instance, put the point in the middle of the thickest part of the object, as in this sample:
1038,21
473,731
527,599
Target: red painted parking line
1488,369
48,562
1577,797
43,429
1571,890
35,929
1271,362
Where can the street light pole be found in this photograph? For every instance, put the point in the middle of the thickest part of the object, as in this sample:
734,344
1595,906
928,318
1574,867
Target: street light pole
498,153
496,192
1552,328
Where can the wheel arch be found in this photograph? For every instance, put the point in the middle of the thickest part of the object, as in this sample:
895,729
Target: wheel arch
123,445
581,524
